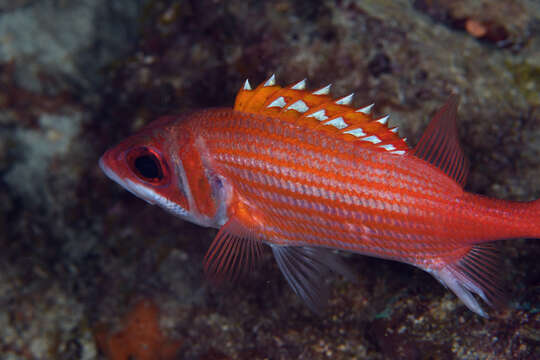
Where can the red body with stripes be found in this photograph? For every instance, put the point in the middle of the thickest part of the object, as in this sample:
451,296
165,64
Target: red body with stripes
301,171
300,188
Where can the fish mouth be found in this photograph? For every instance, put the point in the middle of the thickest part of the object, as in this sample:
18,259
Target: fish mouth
107,170
127,184
143,192
110,173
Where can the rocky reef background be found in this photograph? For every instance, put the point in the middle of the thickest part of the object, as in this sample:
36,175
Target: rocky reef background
87,271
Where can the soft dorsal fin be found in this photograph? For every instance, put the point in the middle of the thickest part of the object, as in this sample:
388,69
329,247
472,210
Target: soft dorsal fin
439,144
318,110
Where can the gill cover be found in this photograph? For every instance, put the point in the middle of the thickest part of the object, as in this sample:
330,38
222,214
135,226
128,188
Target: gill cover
206,192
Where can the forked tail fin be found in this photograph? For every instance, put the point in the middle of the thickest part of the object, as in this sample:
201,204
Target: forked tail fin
477,272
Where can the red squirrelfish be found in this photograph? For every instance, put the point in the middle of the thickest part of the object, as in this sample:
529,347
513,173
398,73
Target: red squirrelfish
307,174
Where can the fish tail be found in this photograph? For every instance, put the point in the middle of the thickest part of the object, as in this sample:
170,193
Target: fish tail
475,268
525,220
535,212
502,219
476,272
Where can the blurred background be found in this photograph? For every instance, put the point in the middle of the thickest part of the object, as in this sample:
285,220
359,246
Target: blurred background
88,271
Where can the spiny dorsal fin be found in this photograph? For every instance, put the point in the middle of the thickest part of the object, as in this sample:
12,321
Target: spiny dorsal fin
317,110
439,144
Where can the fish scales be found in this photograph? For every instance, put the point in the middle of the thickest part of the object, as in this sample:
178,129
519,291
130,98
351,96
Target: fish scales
391,203
307,175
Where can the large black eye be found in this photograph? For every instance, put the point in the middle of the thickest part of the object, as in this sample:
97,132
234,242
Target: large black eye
146,163
148,167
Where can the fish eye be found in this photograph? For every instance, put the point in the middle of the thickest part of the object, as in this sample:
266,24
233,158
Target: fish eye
146,165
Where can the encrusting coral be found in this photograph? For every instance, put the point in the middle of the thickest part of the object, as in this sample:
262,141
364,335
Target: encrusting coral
140,338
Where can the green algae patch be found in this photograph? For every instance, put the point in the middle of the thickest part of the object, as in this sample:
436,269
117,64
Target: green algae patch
527,80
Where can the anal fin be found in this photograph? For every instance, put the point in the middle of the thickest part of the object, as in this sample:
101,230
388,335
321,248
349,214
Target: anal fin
478,272
234,250
305,268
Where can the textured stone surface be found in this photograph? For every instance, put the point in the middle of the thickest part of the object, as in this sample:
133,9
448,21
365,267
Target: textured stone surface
77,250
66,42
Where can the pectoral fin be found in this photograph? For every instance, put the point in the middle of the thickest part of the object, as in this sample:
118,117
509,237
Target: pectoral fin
234,251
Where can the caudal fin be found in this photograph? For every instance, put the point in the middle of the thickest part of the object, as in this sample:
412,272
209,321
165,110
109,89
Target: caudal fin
478,272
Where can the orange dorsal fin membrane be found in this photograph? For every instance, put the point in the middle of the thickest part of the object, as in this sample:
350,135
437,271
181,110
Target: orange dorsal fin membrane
234,252
318,110
439,144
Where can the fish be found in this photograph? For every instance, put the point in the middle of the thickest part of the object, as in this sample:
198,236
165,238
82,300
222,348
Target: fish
310,176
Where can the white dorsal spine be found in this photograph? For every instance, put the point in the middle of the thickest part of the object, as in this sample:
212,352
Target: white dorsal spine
388,147
383,120
356,132
301,85
271,81
279,102
366,109
323,91
299,106
346,100
247,86
372,139
338,123
319,115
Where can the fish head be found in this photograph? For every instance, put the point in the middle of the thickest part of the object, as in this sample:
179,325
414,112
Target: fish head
159,165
